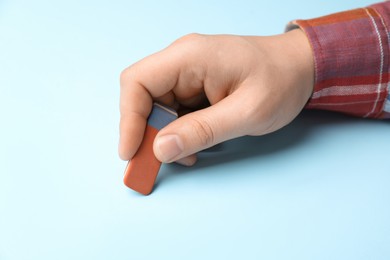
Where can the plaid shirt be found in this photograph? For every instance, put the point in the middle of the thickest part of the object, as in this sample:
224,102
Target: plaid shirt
352,60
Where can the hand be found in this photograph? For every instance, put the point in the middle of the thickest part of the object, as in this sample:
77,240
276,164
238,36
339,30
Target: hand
253,85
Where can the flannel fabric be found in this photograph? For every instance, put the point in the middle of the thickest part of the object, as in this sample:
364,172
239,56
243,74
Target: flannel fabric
352,60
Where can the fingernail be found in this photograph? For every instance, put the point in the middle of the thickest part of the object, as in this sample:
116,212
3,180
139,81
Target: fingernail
169,147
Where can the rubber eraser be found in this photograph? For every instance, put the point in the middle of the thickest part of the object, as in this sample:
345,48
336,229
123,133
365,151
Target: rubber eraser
142,170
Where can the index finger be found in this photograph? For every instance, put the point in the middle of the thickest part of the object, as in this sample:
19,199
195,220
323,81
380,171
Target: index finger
150,79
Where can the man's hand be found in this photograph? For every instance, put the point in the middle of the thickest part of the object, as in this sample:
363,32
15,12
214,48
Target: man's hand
252,85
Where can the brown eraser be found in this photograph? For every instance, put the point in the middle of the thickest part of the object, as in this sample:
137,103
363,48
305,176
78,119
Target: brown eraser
142,170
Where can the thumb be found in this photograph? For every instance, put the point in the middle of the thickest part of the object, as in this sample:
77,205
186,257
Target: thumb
199,130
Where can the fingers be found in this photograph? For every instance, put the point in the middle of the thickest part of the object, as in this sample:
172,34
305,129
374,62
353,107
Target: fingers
201,129
135,106
188,161
147,80
154,78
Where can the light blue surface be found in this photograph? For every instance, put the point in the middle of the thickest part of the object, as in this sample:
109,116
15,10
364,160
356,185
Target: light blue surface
318,189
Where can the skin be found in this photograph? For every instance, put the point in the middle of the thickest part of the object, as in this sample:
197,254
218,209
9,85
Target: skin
234,86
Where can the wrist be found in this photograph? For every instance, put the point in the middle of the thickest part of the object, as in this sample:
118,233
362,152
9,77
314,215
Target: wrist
302,59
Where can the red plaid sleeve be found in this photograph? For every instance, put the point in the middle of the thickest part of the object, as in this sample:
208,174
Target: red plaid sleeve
352,61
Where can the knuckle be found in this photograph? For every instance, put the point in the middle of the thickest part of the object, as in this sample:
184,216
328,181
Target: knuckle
189,38
192,36
124,76
190,47
204,131
127,75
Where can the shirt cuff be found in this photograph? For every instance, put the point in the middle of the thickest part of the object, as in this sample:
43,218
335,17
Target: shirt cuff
351,58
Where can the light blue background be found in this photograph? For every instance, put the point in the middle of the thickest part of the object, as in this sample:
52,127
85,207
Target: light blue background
318,189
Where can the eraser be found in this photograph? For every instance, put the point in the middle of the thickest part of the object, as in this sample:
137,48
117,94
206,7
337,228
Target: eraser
141,171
